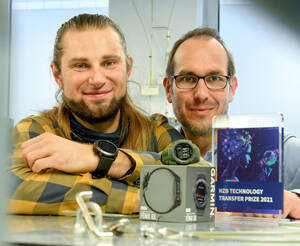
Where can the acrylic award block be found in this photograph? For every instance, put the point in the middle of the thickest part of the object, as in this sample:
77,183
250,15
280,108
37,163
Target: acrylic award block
248,154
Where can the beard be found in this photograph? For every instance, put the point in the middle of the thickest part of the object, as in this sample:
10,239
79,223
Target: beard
203,126
201,129
103,114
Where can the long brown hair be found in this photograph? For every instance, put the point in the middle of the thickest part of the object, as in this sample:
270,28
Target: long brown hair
137,124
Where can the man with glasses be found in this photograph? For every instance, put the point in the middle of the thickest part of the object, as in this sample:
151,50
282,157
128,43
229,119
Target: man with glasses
200,82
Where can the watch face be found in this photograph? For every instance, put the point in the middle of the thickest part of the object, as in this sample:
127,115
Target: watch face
183,151
200,194
107,146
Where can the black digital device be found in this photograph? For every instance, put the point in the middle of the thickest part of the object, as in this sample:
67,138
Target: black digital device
107,152
181,152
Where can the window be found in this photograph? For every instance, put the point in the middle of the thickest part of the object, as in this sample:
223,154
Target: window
33,30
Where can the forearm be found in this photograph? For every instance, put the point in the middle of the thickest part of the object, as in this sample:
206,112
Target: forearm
53,191
139,159
120,166
127,165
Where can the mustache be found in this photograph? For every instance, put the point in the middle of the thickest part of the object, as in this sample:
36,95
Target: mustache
199,104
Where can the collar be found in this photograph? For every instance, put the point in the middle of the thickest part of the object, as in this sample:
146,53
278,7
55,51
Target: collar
83,134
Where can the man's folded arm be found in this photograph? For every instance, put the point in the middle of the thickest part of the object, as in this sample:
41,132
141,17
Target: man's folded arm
52,191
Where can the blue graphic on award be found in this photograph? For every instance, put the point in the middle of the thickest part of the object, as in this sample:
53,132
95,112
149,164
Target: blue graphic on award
249,165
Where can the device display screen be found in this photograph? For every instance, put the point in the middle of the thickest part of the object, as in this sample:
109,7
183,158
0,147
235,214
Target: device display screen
108,147
183,151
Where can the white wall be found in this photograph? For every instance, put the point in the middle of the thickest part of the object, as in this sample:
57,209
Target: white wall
5,127
267,57
266,51
146,28
34,27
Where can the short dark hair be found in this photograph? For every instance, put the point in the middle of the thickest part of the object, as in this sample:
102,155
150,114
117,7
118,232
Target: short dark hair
198,33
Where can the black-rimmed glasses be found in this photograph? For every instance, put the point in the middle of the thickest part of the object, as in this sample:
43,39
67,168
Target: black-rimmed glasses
190,81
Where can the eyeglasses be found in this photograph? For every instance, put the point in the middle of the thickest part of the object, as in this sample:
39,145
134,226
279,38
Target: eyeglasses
190,81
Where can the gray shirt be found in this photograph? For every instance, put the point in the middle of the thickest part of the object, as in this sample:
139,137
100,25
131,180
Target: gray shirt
291,163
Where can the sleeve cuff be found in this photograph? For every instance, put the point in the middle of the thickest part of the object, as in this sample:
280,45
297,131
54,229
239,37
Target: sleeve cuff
139,159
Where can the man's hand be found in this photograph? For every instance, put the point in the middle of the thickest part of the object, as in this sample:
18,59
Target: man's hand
249,214
291,204
51,151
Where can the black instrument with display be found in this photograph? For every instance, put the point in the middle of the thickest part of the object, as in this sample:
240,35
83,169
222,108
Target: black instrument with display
181,152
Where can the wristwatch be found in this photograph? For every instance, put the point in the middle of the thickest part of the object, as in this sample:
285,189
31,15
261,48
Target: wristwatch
107,152
181,152
200,193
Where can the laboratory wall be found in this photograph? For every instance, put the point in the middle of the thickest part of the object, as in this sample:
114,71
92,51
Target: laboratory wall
5,123
34,26
151,28
264,37
264,43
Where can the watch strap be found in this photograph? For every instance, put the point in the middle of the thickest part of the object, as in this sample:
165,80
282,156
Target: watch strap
103,166
167,156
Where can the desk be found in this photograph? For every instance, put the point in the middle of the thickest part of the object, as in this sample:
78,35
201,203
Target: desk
59,230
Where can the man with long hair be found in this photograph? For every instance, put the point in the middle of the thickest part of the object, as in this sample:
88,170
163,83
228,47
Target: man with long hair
86,142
